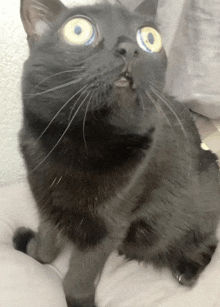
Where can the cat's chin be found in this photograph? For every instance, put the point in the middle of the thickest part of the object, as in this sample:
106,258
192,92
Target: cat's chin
124,95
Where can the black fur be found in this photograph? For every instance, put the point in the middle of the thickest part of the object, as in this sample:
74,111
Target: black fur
21,238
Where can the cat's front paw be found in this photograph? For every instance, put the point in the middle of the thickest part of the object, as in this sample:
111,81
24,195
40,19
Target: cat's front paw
188,271
187,276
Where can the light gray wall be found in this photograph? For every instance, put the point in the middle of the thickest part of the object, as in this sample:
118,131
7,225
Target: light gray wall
13,52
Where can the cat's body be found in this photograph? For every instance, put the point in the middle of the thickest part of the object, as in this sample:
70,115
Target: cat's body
112,163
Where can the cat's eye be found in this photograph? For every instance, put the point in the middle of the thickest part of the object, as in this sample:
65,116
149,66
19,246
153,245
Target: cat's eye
149,39
78,31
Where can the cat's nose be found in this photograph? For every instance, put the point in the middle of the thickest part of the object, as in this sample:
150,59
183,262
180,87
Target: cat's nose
127,50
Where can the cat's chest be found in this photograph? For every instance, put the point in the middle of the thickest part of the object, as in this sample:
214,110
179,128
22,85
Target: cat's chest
76,190
80,192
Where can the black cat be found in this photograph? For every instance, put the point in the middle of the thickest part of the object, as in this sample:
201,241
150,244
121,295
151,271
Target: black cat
112,162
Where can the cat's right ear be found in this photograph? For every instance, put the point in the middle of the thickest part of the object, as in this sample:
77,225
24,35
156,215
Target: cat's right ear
37,15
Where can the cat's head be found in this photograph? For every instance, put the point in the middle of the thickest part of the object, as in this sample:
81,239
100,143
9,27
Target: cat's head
101,58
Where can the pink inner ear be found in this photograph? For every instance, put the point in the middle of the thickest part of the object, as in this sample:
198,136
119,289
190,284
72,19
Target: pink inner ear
36,16
41,27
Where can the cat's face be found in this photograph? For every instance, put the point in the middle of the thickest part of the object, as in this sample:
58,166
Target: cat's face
87,59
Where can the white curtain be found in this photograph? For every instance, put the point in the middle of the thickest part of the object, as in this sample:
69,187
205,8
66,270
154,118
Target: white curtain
191,35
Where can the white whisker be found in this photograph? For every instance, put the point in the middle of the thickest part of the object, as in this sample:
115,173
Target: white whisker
170,108
57,74
55,116
72,108
166,102
142,102
59,180
159,109
63,134
53,182
84,121
57,87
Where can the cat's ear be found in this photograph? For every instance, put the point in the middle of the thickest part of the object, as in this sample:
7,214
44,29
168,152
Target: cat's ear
37,15
147,7
114,1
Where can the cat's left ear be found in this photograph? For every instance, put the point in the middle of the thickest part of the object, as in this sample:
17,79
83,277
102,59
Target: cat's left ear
113,1
147,7
37,15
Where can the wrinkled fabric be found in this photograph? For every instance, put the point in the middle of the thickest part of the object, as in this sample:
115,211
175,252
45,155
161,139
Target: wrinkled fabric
191,36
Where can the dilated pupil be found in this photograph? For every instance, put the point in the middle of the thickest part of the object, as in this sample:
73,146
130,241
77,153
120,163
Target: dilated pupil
77,30
151,38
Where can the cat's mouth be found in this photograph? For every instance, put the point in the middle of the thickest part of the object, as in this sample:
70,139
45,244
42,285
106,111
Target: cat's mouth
124,81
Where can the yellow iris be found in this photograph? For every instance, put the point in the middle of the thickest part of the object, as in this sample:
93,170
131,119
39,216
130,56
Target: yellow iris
149,39
78,31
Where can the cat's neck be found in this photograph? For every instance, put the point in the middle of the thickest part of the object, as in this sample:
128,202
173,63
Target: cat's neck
95,145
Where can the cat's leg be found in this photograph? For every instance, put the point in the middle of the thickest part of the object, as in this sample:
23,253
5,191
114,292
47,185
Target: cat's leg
187,257
43,246
85,267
